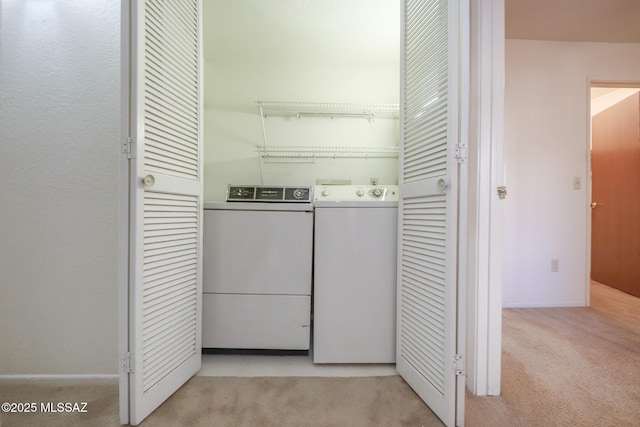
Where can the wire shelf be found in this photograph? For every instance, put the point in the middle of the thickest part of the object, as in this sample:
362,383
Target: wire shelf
329,110
307,152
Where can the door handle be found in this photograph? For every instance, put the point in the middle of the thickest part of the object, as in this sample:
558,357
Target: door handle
594,205
148,180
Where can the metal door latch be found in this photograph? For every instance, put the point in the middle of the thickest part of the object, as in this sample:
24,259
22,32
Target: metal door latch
502,192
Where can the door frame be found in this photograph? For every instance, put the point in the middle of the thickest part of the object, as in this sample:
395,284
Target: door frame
484,256
591,83
485,210
123,210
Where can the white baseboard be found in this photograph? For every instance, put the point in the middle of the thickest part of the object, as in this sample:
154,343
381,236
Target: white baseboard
545,305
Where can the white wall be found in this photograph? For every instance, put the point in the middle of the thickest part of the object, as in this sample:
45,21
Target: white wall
59,133
546,146
233,129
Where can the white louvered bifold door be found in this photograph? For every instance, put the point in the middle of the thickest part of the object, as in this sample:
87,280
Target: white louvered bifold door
427,235
166,200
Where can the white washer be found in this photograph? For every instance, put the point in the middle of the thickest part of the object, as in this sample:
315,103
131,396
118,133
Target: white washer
354,300
257,270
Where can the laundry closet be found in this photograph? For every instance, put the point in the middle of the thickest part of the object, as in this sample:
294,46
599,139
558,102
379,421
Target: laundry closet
300,103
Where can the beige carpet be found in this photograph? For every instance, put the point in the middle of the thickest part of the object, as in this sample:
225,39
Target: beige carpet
368,401
561,367
568,366
225,401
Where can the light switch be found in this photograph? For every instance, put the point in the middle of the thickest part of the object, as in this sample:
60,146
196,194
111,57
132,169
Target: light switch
577,182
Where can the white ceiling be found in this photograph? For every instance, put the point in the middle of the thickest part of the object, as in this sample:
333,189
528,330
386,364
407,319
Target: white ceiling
277,30
368,30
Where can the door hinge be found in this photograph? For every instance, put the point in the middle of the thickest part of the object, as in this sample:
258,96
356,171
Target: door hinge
458,364
126,363
461,152
128,147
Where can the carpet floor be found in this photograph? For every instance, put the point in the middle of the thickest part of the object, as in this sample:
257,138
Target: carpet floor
568,366
235,401
560,367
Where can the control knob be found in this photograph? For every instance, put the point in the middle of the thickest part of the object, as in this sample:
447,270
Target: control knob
376,192
325,193
360,193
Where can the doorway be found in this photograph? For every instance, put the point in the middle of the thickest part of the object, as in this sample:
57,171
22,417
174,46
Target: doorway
315,56
441,185
615,184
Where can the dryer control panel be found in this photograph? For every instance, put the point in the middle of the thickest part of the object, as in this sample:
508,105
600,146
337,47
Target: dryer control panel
345,193
259,193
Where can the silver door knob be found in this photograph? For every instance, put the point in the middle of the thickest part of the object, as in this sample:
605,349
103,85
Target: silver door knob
148,180
442,185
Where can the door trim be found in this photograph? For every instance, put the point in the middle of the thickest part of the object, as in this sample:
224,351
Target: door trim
123,212
486,173
591,83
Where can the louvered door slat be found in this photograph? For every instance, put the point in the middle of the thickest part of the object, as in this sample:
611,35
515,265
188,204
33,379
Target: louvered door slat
163,150
172,107
178,20
169,39
157,262
425,131
178,339
170,291
164,244
176,117
169,86
173,56
168,282
169,235
168,132
161,64
163,159
164,318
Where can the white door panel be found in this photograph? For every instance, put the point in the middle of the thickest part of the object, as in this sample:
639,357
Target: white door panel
165,203
428,209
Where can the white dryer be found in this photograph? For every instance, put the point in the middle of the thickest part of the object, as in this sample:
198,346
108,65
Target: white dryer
257,269
355,274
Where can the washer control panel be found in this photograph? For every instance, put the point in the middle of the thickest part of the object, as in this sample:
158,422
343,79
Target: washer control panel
259,193
346,193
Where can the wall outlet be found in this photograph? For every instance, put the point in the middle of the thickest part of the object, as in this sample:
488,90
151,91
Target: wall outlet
373,181
555,265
